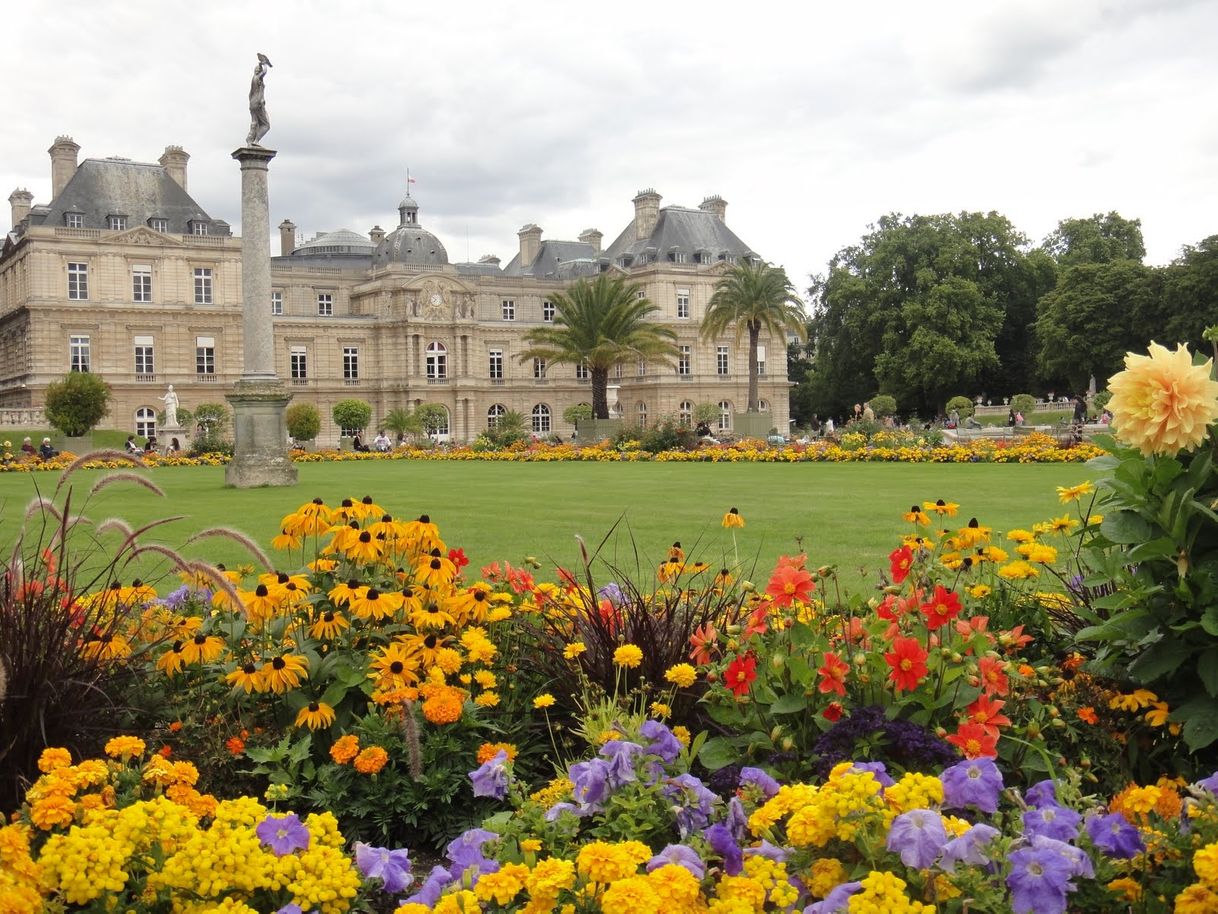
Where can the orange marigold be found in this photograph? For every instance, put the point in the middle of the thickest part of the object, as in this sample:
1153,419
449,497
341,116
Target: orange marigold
444,705
371,760
345,749
488,751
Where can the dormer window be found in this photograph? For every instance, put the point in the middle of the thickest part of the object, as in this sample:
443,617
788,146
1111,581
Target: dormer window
158,224
74,220
198,227
116,223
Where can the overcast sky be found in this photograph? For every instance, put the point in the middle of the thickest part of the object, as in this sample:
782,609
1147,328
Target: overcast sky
810,119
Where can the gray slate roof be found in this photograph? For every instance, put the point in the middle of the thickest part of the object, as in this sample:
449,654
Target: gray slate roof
478,269
557,260
137,190
343,241
682,229
410,244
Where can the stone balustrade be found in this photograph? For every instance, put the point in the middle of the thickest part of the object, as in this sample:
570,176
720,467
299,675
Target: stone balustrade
22,418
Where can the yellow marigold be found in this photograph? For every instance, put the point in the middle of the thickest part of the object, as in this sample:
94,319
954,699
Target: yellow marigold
574,649
53,758
125,747
371,760
826,874
345,749
545,700
558,789
1127,889
1162,403
631,896
412,907
628,656
603,862
677,888
530,845
682,675
1205,862
51,811
462,901
682,734
501,886
488,751
1196,899
548,878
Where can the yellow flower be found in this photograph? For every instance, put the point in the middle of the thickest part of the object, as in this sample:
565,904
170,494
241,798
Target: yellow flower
315,715
682,734
345,749
125,747
681,675
530,845
574,649
1161,403
733,519
979,591
488,751
371,760
53,758
1205,862
628,656
487,700
1067,494
545,700
659,710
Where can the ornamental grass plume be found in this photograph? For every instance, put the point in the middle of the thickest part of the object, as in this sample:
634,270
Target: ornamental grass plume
1162,403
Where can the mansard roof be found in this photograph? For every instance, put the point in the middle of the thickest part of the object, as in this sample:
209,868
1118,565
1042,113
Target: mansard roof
557,260
683,230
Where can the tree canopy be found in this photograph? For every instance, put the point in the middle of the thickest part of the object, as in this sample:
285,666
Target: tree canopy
1101,238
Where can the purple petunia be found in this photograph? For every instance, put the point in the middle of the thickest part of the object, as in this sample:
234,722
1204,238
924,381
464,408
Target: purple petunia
918,836
1115,836
290,908
660,741
1080,863
429,892
621,755
972,782
392,867
736,820
719,837
613,593
491,778
878,770
1052,821
1039,881
591,780
693,800
1210,783
836,901
559,808
1042,793
968,847
283,834
769,851
465,852
759,779
679,855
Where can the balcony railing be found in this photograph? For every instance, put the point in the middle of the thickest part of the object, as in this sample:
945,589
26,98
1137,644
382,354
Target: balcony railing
300,382
207,377
437,380
351,382
497,382
145,378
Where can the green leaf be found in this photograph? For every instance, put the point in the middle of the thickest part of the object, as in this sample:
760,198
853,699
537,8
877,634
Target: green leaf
1209,621
1207,670
790,703
1159,659
1200,720
1126,527
1162,548
719,752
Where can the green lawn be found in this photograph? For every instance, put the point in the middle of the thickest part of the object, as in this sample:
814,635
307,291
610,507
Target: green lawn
845,514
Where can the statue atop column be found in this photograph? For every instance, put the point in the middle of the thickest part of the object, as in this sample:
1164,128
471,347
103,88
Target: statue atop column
260,123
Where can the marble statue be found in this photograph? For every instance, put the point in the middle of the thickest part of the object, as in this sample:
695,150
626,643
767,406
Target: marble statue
171,408
260,123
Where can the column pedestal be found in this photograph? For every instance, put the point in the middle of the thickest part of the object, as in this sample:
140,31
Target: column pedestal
260,436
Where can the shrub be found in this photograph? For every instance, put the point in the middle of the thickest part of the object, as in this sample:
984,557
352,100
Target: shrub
510,428
883,405
432,417
401,422
665,435
578,412
352,414
303,420
77,403
1024,403
962,404
706,412
1100,400
212,418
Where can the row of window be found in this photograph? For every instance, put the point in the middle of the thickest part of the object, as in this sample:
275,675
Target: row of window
141,283
80,355
119,223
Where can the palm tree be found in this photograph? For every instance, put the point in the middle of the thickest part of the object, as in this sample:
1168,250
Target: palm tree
601,323
754,296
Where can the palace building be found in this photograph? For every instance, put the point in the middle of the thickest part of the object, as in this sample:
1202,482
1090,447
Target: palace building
124,274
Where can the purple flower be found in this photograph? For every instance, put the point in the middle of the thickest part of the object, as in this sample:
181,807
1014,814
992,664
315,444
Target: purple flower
465,851
694,801
1115,836
1039,880
491,778
621,755
836,901
290,908
769,851
968,847
1080,863
559,808
1052,821
759,779
591,782
283,834
392,867
1210,783
736,820
429,892
918,836
613,593
719,837
680,855
661,742
1040,794
972,782
878,769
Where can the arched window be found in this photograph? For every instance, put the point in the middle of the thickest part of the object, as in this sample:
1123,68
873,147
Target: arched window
685,414
494,414
641,409
541,419
145,422
437,362
763,406
725,416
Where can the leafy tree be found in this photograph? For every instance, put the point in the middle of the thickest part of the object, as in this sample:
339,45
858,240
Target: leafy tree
303,421
577,412
1190,296
1097,313
402,423
1024,403
213,417
799,369
601,322
1102,238
706,412
962,405
883,405
75,404
752,297
432,417
352,414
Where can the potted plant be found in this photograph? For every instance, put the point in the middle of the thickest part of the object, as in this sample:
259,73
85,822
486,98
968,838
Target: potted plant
350,416
303,422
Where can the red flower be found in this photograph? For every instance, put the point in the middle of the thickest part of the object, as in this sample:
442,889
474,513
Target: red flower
893,607
993,676
975,741
833,713
908,664
757,624
705,644
899,562
789,584
457,557
235,745
988,713
942,607
833,674
740,674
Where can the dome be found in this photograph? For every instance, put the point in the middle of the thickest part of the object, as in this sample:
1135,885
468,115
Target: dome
343,241
410,244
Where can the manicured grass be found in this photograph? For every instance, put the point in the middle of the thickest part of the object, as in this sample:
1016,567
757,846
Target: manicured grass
844,514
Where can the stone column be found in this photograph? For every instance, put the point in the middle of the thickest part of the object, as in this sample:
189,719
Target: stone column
260,436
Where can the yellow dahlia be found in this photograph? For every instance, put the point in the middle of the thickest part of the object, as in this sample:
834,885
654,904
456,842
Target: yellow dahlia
1162,403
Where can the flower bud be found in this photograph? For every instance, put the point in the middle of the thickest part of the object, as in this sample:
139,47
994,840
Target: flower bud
748,586
957,657
1058,724
732,644
860,659
1054,713
787,744
776,734
777,662
1033,730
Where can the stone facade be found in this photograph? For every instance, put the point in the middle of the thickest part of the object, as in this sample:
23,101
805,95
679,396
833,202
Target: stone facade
146,291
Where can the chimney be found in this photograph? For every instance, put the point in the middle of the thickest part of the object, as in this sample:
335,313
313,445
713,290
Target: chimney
20,200
174,159
646,211
715,204
63,163
592,237
376,234
530,244
287,237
